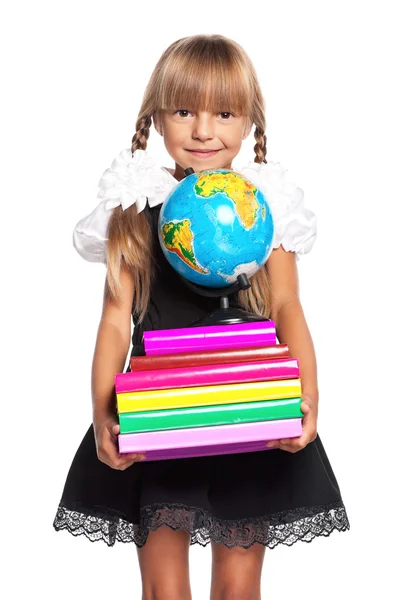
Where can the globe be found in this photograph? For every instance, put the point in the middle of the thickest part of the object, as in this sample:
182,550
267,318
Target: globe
214,226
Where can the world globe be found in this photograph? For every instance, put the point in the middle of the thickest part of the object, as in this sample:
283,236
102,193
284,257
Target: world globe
214,226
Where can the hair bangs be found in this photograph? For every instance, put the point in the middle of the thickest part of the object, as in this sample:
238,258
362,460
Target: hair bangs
206,83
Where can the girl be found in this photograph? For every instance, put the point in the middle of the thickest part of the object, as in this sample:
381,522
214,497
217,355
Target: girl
203,99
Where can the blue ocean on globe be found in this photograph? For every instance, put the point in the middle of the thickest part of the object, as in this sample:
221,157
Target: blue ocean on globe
215,225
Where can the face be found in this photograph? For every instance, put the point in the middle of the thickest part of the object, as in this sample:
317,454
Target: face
201,140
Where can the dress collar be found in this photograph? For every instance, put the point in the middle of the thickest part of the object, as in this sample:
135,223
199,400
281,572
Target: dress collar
137,179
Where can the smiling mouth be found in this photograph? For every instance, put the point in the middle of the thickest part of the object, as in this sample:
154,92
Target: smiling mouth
203,153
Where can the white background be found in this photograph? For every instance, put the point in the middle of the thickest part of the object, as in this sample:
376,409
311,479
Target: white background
73,77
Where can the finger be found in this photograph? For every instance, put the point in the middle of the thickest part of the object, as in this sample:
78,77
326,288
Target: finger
125,464
132,457
293,444
289,448
309,410
273,444
305,408
139,458
108,439
309,425
309,434
109,448
296,441
292,440
307,398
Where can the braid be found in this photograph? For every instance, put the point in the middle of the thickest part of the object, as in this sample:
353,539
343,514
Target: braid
257,297
260,147
141,135
130,240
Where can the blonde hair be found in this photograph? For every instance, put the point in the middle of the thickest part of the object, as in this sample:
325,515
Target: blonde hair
200,72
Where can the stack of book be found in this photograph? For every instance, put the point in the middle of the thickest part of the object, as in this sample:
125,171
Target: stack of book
201,391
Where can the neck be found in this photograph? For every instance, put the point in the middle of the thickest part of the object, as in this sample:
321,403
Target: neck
178,173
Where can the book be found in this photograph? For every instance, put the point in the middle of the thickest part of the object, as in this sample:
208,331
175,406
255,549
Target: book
198,451
211,337
208,395
213,357
205,416
206,441
207,375
207,331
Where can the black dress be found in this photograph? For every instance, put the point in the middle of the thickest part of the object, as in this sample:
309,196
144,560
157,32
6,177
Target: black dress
271,497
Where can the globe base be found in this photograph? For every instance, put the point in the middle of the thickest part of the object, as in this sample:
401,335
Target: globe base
225,315
228,316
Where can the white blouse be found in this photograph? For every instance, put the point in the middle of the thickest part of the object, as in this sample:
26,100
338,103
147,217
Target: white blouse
137,179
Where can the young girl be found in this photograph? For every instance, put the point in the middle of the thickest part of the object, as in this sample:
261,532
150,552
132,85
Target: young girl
203,99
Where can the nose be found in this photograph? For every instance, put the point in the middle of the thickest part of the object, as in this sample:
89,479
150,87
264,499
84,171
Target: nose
203,127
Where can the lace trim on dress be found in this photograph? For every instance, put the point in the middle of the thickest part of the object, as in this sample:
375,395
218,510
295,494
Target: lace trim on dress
286,527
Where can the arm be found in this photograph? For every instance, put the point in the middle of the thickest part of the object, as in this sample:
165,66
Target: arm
112,344
292,328
113,339
288,315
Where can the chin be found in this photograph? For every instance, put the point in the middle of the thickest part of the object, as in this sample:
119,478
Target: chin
203,164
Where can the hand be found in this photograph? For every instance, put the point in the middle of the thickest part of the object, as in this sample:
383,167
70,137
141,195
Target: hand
106,430
310,409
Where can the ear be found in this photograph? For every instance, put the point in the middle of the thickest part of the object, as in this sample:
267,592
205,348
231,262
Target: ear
157,122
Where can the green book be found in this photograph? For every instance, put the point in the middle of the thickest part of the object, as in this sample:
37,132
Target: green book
205,416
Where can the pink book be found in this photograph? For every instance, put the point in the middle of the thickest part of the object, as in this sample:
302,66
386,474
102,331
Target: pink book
210,337
205,441
265,370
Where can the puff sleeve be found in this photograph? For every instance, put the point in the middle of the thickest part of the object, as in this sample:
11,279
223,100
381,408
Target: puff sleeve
131,179
90,234
294,225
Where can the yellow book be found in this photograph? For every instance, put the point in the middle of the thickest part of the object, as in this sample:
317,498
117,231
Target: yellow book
208,395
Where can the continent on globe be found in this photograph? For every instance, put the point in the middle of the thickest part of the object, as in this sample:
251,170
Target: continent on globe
178,238
237,189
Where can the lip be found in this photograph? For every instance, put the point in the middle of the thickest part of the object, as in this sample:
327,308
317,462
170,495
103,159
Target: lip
204,153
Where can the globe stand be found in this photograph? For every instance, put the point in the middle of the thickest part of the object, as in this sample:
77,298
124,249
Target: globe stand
225,315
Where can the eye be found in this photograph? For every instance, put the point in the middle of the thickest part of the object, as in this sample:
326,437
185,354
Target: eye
228,115
182,110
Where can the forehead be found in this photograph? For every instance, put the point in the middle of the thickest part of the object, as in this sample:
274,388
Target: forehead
206,90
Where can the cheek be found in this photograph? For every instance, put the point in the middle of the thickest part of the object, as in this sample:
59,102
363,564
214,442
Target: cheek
175,137
235,141
234,138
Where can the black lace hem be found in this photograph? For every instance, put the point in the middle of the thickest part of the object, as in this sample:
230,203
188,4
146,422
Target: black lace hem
286,527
